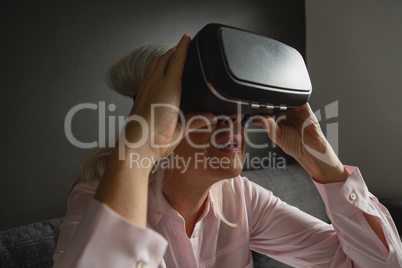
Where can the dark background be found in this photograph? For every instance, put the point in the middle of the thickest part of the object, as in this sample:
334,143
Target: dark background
353,51
54,56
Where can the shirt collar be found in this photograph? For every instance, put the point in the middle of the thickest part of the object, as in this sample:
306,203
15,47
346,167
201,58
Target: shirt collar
159,207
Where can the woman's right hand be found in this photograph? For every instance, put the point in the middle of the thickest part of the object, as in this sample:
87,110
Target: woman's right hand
123,186
162,87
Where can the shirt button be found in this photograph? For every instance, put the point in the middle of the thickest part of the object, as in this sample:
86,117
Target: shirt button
195,235
352,196
142,265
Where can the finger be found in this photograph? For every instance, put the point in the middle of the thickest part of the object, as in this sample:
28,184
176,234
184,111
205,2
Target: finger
178,59
151,68
159,64
269,124
163,62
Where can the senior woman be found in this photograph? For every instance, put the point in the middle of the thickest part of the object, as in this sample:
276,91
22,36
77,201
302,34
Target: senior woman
122,213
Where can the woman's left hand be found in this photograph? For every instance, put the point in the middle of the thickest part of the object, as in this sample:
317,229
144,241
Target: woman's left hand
299,134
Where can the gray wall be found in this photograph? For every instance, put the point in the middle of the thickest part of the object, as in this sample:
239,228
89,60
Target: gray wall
354,57
54,55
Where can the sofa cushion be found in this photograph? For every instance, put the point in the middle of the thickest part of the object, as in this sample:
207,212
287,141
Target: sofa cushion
31,245
394,207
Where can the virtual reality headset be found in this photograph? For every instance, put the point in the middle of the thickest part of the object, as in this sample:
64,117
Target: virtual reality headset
231,71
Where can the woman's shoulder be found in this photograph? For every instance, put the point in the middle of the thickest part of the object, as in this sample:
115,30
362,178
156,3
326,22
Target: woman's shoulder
241,186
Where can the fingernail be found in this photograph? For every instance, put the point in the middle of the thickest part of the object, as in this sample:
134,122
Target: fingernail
256,122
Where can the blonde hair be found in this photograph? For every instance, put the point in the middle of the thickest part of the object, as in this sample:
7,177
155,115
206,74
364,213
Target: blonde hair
124,77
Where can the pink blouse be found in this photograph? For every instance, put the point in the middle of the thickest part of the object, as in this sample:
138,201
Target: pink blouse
93,235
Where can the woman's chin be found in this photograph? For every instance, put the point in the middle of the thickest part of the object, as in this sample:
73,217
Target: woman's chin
230,171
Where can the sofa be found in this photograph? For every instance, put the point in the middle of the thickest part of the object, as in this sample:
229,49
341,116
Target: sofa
33,245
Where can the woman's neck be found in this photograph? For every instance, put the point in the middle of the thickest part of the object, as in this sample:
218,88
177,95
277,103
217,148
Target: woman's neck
187,195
